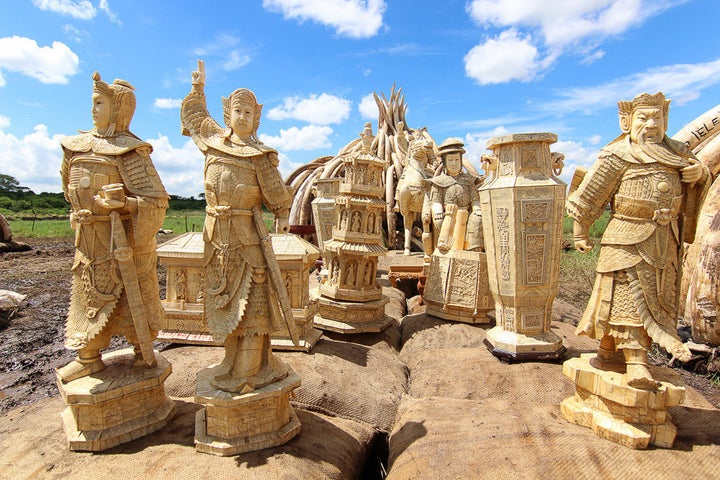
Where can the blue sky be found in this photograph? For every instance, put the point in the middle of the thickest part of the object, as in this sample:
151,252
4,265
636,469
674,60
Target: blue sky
471,69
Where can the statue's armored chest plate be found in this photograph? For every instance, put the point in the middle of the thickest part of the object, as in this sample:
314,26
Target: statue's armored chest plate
232,181
88,174
654,183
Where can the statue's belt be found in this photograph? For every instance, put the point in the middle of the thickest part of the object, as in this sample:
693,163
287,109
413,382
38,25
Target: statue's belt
642,210
230,213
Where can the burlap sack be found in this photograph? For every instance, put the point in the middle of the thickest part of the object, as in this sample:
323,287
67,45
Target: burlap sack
449,438
33,445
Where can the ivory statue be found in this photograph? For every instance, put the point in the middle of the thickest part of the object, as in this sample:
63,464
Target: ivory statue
410,192
244,291
118,204
654,185
453,204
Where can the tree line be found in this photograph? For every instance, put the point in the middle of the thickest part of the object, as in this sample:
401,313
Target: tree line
15,198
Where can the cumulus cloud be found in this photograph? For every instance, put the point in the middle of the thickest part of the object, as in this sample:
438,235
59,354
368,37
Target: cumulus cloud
167,103
34,160
510,56
351,18
180,168
322,109
81,10
368,107
576,155
287,166
568,21
4,121
54,64
309,137
681,82
569,26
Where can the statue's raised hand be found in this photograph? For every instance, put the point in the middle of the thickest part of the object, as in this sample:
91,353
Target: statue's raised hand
198,76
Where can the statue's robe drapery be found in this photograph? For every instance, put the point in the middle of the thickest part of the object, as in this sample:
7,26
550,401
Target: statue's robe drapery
98,304
638,269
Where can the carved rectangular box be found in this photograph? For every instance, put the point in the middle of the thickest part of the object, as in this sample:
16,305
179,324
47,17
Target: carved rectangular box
185,321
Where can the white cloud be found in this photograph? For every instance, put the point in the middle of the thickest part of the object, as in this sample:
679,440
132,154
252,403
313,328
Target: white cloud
508,57
680,82
322,109
576,155
309,137
34,160
568,21
4,121
368,107
180,169
225,47
286,166
167,103
235,60
76,34
105,7
352,18
48,64
82,10
565,26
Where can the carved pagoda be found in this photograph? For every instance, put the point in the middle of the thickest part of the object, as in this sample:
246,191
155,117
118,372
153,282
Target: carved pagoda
351,298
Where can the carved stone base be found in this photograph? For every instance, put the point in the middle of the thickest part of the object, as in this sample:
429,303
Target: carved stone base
236,423
352,317
615,411
457,287
307,342
117,404
305,328
514,346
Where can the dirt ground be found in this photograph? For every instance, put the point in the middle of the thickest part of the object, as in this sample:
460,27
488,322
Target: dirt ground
31,344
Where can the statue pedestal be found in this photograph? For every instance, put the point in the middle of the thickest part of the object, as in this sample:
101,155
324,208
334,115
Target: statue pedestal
234,423
520,347
615,411
117,404
352,317
457,287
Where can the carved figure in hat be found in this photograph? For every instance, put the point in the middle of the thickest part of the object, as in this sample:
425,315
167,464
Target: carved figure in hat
453,203
654,186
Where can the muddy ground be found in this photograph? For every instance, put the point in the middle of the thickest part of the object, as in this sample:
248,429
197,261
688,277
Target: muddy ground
31,343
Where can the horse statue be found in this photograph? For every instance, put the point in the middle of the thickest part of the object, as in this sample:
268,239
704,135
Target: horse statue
410,191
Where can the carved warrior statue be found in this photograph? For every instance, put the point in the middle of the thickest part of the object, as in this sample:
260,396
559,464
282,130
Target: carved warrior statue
118,204
244,290
654,185
452,205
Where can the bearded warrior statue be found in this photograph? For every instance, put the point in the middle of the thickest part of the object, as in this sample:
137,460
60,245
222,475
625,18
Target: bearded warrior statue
654,186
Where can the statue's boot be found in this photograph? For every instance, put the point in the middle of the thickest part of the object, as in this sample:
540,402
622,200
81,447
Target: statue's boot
608,358
638,374
87,362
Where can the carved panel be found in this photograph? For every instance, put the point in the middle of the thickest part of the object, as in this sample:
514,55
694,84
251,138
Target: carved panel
536,210
535,244
503,230
532,321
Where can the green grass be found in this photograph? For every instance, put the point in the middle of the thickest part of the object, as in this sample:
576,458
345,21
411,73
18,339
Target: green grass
179,221
41,228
